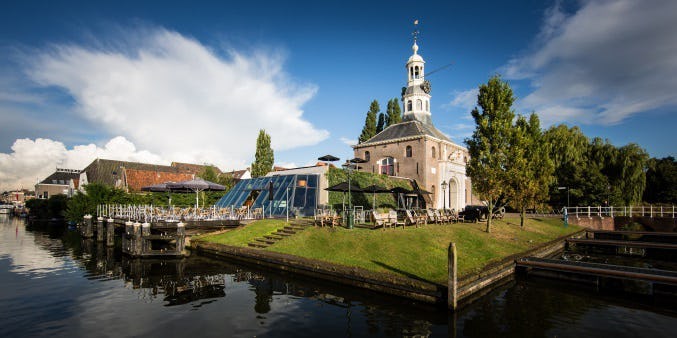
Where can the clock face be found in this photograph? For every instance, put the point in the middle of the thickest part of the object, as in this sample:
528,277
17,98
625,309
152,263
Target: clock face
425,86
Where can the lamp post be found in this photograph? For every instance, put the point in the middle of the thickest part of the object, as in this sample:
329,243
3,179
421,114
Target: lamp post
444,195
567,188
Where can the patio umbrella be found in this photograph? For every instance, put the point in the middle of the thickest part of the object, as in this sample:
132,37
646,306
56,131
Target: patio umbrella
196,185
161,187
328,158
375,189
344,187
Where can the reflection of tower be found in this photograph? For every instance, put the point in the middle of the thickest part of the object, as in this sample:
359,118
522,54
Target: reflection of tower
264,295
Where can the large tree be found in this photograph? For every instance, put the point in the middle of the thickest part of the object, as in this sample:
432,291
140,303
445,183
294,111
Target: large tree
264,157
381,123
489,144
394,113
530,169
369,129
661,181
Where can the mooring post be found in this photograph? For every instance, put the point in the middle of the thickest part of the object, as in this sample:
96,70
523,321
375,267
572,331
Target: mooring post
180,238
110,232
87,231
451,295
136,239
145,231
99,229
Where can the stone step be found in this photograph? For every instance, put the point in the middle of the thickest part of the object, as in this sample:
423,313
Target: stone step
258,245
285,231
294,228
265,240
274,237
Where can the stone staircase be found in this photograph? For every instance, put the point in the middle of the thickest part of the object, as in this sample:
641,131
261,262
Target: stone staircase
293,228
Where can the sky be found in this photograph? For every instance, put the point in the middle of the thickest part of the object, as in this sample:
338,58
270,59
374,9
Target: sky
163,81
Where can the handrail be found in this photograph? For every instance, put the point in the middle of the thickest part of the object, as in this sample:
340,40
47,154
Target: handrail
628,211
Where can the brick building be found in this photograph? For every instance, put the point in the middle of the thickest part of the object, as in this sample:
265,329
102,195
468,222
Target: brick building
417,150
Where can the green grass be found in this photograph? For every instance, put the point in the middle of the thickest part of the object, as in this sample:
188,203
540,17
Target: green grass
243,235
417,253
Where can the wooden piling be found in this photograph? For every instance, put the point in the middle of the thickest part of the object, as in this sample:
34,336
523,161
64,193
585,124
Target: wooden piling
87,230
452,296
110,232
145,245
180,238
136,239
99,229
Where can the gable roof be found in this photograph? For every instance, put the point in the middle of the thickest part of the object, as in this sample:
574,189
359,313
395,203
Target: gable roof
107,171
193,168
406,129
135,179
60,177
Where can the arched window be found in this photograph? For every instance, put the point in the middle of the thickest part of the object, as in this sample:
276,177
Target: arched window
387,166
408,105
433,152
411,73
419,105
367,156
408,151
426,106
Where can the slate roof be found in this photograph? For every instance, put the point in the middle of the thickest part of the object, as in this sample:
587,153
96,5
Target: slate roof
406,129
60,177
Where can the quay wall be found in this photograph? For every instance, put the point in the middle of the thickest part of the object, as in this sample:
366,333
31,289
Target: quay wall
661,224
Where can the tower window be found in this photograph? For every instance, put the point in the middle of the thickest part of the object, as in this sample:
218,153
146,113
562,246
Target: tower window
409,105
433,152
419,105
367,156
387,166
408,151
426,106
416,73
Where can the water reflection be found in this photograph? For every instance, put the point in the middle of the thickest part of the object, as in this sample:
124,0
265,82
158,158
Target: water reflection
66,286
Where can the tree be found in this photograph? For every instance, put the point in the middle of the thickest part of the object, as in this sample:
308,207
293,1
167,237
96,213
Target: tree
632,163
661,181
264,157
567,151
369,129
489,144
381,123
530,170
210,173
394,113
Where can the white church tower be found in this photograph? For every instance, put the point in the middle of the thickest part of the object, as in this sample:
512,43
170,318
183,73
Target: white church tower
416,97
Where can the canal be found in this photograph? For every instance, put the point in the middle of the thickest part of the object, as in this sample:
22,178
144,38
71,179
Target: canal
54,283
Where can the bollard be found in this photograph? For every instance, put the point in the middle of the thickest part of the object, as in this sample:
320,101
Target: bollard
87,231
145,244
99,229
452,301
136,239
110,232
180,238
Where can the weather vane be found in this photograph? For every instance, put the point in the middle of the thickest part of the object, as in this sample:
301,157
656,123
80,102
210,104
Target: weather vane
416,32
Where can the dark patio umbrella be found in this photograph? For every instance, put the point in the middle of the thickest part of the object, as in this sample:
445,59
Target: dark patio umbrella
161,187
399,191
196,185
343,187
328,158
374,189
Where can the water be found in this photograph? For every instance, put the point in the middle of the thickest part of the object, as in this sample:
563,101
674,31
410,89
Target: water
52,283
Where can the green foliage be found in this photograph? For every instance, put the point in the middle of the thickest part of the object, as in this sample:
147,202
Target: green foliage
37,207
489,144
369,129
661,181
394,113
364,179
264,157
530,171
209,173
381,123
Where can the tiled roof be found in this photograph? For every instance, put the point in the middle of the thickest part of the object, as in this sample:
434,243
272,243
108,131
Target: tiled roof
192,168
107,171
406,129
59,177
136,178
237,174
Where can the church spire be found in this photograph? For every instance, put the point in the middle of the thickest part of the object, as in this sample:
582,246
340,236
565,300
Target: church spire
416,97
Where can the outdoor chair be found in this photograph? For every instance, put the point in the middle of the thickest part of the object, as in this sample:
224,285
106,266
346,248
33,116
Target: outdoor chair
421,218
432,218
378,219
393,219
412,218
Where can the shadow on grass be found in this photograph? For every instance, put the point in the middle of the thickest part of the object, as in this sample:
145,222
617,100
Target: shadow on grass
403,273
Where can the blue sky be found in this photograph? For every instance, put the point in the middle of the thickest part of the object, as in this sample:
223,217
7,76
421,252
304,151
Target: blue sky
186,81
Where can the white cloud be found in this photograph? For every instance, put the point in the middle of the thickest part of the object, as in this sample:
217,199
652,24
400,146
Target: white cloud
603,63
348,141
178,99
33,160
466,100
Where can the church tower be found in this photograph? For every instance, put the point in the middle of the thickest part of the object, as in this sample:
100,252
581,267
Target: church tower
416,96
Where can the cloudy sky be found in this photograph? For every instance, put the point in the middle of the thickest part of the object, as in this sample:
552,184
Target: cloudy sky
180,81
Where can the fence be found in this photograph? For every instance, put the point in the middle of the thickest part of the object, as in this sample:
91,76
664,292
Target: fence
150,213
629,211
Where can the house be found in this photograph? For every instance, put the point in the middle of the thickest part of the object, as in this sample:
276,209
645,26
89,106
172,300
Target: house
62,181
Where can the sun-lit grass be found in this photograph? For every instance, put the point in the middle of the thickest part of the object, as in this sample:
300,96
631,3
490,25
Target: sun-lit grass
418,253
246,234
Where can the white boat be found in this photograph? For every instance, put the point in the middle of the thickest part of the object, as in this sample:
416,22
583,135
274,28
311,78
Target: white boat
6,209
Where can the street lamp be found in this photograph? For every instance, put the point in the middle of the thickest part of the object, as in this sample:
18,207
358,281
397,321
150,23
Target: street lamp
444,195
567,188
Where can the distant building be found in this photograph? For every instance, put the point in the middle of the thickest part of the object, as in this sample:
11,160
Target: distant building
62,181
132,176
238,175
417,150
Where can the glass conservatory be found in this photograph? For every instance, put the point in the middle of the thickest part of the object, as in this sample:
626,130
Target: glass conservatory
274,194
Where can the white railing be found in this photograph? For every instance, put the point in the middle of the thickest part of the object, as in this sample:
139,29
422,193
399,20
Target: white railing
628,211
150,213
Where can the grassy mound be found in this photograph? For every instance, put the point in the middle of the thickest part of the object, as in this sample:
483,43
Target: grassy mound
246,234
